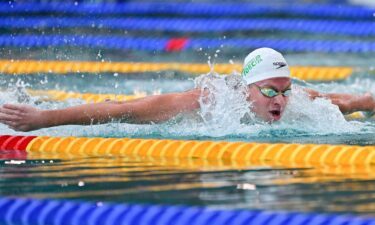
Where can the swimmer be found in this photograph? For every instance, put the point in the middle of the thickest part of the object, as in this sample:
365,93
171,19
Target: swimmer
268,87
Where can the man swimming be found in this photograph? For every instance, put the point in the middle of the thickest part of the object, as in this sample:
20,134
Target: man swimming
268,87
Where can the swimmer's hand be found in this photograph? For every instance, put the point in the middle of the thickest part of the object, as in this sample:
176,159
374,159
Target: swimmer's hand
21,117
348,103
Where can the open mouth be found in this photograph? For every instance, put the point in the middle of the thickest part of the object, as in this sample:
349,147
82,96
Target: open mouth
275,112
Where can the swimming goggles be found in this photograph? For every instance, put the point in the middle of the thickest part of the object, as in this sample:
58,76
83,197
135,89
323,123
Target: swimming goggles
270,92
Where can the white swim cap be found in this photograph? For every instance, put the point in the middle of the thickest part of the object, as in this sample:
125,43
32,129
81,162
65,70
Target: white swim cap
263,64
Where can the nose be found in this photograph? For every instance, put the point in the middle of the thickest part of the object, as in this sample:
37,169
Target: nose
279,100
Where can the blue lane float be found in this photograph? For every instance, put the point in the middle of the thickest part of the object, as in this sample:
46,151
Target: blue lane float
32,212
356,28
164,44
195,9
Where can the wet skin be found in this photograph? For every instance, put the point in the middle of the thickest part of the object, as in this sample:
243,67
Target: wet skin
266,108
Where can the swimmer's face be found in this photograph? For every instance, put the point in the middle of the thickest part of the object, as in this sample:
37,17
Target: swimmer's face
269,108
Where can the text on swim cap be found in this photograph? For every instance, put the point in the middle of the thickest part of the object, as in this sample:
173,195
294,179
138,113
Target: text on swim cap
251,64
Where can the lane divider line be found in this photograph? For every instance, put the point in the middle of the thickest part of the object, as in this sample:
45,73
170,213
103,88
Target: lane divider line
24,67
37,211
287,154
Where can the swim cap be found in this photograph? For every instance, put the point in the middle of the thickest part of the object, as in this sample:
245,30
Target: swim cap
263,64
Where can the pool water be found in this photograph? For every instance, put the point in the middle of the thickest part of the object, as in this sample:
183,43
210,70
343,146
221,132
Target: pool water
191,182
221,184
317,188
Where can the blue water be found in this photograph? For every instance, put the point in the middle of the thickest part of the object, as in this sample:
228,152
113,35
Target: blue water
339,189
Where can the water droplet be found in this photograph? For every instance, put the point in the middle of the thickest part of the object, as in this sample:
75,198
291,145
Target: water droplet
246,186
15,162
99,55
44,81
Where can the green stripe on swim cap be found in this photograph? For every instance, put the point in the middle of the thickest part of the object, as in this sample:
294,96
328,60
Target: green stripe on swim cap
251,64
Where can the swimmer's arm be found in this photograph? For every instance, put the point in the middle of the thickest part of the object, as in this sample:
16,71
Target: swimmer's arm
156,109
347,103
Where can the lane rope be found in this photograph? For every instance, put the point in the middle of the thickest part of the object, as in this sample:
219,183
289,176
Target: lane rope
163,44
196,9
64,67
356,28
287,154
57,95
24,211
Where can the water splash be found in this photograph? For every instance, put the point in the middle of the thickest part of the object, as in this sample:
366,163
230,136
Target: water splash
224,109
222,116
318,116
